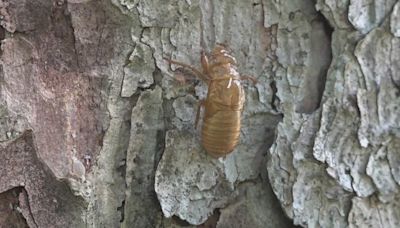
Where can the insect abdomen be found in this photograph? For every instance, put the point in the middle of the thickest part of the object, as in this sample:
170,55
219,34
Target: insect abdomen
220,133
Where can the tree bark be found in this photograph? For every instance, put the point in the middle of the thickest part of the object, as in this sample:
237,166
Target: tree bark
95,130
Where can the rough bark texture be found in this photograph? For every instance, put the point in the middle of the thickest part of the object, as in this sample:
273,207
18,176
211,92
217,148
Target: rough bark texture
338,165
96,132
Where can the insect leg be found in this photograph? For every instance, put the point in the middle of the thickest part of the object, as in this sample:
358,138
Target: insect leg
201,103
204,63
194,70
252,79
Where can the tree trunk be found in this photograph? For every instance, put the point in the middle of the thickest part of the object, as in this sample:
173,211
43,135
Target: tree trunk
96,130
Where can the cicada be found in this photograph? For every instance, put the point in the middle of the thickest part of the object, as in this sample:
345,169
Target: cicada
224,103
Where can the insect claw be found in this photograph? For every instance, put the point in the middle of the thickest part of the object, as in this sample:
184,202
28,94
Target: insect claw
189,67
249,78
168,60
255,81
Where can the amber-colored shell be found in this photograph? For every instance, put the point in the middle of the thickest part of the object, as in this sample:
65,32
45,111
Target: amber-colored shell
223,106
224,103
221,123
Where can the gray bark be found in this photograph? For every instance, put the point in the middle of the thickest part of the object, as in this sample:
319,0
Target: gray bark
95,130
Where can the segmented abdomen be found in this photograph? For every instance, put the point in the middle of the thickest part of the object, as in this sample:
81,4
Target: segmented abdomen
220,132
